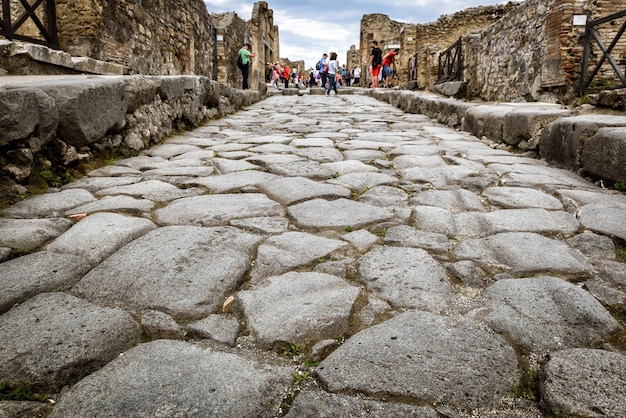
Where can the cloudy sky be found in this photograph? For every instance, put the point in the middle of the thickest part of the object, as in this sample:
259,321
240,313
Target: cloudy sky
309,28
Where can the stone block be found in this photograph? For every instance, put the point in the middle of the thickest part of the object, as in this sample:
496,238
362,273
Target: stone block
24,112
527,125
486,121
93,66
604,154
562,141
140,90
291,92
171,87
317,91
451,88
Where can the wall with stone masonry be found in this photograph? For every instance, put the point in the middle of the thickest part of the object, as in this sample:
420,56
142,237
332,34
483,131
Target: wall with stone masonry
426,39
59,122
160,37
535,52
265,43
231,33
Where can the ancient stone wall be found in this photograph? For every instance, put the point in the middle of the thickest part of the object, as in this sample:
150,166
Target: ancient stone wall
535,52
353,57
265,43
161,37
231,33
425,39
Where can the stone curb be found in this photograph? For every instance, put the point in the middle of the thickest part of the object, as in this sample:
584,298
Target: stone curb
556,133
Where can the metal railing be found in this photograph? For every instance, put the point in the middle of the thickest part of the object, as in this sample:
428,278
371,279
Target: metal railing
15,27
591,35
451,65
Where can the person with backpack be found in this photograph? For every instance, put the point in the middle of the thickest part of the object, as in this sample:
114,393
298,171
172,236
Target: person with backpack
244,58
322,67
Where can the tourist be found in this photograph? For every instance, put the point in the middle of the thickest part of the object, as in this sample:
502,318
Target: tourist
243,62
322,70
333,69
357,76
376,60
388,61
286,75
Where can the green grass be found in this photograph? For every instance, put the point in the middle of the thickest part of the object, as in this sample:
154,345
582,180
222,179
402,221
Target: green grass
292,350
19,393
527,386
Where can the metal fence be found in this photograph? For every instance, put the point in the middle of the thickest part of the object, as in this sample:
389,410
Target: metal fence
592,36
34,22
451,64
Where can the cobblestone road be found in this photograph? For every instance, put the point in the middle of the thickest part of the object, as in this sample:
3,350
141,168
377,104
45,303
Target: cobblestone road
317,256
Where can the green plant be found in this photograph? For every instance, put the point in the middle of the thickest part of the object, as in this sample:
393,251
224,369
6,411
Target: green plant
620,185
349,229
301,376
621,254
111,161
19,393
381,232
527,386
292,350
310,362
318,261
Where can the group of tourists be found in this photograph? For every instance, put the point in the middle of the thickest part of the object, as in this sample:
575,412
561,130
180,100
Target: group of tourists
381,67
328,73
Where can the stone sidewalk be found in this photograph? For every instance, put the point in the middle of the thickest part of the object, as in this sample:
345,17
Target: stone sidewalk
317,256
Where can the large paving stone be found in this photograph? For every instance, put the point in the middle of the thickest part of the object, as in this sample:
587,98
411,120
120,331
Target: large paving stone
318,404
426,358
49,204
452,200
215,210
291,250
539,221
99,235
406,277
93,184
233,181
385,196
121,203
521,198
523,254
55,339
298,308
320,155
360,182
407,236
182,270
607,219
155,190
547,314
175,378
29,234
290,190
349,166
585,383
169,150
309,169
340,213
36,273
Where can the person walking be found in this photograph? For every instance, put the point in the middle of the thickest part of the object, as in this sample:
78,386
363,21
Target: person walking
323,73
376,60
244,60
388,62
357,76
286,75
333,68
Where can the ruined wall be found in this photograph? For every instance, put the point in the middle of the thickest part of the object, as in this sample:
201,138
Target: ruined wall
265,43
535,52
377,27
353,57
231,33
166,37
425,39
